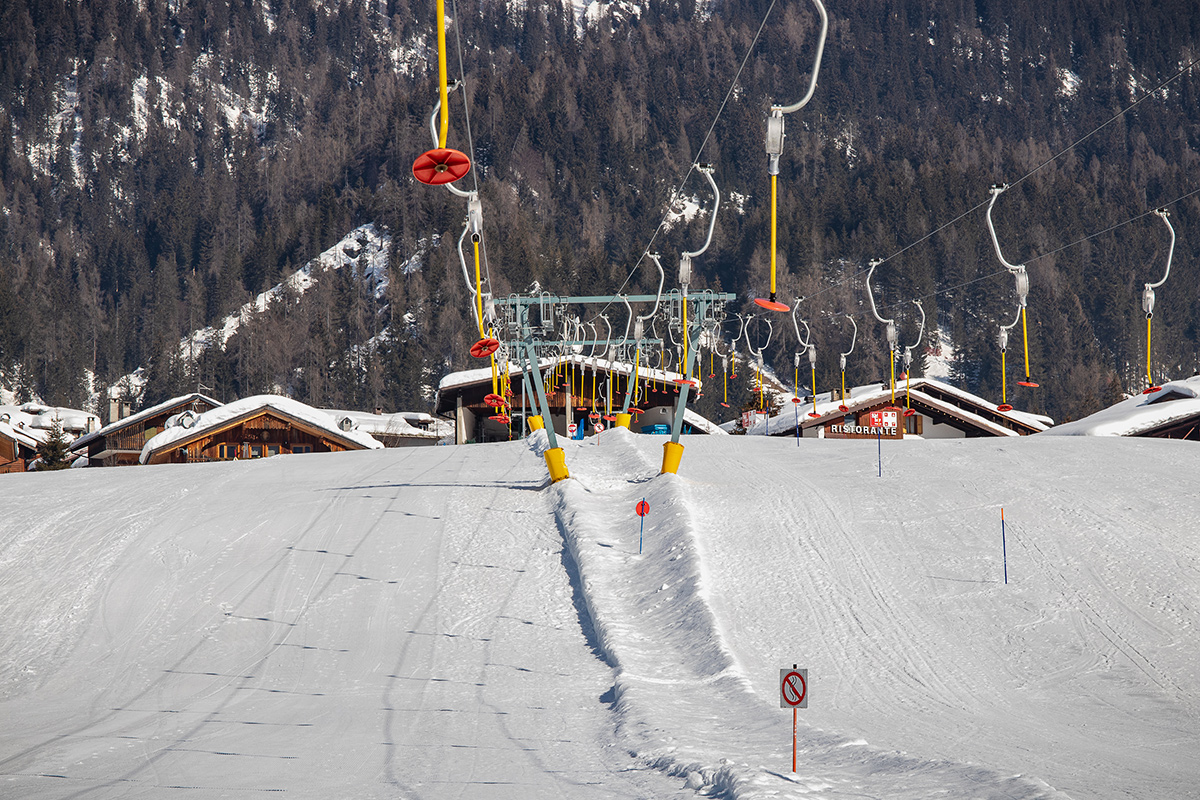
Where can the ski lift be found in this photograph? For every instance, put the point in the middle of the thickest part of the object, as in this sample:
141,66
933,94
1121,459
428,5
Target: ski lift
685,272
1022,281
442,164
758,355
853,338
1148,299
1002,340
803,341
893,336
908,411
774,147
733,347
725,373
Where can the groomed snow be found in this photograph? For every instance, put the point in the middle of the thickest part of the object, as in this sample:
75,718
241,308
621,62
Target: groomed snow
442,622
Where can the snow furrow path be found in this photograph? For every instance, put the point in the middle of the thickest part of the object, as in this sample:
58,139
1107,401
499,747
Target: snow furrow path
683,703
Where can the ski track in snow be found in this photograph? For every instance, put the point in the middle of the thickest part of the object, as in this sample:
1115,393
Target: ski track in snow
444,623
684,704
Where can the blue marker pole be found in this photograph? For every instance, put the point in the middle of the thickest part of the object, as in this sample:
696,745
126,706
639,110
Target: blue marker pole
643,508
879,444
797,407
1003,545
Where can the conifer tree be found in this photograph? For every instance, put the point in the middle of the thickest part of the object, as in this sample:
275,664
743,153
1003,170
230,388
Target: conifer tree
53,452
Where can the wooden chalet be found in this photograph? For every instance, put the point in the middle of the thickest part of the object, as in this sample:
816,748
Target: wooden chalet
575,387
940,411
119,443
17,448
254,427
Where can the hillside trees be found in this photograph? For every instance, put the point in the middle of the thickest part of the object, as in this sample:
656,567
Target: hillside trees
161,164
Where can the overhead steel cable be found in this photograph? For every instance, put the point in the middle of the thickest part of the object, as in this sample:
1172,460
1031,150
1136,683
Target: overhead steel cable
1024,177
695,161
1047,254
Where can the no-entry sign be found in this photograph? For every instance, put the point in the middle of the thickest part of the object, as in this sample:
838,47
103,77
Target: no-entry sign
793,688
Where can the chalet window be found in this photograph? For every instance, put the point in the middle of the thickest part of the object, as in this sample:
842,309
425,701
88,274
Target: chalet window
271,449
227,451
913,424
255,451
302,448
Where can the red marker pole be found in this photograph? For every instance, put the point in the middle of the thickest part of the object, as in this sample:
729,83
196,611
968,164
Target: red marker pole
793,740
643,508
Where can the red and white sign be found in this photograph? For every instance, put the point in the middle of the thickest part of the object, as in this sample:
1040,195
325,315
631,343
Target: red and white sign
883,419
599,427
571,429
793,688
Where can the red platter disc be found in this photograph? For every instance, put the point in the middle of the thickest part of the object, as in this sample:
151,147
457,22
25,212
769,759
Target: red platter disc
771,305
484,348
441,165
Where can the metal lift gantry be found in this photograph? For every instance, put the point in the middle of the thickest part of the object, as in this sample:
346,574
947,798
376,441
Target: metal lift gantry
527,327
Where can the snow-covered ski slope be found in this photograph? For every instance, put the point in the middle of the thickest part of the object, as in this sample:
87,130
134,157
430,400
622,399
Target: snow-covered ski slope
442,623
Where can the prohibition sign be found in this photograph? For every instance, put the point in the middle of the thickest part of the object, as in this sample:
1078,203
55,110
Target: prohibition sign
793,688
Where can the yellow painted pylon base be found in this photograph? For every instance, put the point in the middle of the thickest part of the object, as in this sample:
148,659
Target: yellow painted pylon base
536,423
672,454
556,462
623,420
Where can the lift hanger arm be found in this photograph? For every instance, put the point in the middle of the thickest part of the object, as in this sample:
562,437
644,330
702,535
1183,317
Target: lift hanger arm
812,81
1163,213
802,340
853,336
997,190
921,329
707,171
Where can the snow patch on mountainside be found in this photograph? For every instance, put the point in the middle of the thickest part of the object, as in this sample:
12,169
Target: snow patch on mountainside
364,251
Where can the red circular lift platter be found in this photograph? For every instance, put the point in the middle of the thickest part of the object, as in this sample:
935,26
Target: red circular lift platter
494,400
1152,390
1004,407
1031,384
441,165
771,305
484,348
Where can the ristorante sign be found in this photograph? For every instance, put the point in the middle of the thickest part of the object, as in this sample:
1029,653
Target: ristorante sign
883,424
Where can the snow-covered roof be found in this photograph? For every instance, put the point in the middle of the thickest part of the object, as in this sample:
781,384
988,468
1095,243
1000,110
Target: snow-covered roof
248,405
703,423
34,420
145,413
828,405
20,435
471,376
386,424
1177,401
